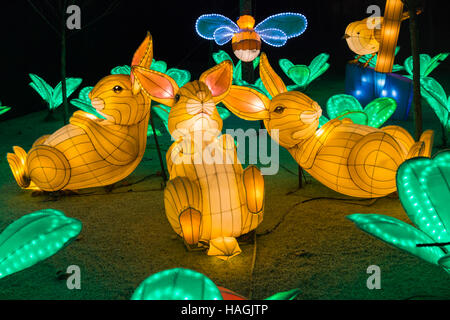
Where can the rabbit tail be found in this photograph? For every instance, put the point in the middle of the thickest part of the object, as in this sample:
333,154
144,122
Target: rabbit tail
17,163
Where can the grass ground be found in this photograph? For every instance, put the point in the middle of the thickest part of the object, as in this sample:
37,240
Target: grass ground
126,236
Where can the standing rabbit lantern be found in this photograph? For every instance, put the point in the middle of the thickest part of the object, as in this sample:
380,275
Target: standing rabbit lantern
352,159
209,200
89,151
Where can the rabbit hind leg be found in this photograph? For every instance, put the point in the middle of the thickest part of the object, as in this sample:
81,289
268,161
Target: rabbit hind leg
182,204
373,163
48,168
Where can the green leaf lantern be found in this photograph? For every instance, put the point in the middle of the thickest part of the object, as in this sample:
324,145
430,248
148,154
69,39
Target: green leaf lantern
53,96
424,190
375,114
35,237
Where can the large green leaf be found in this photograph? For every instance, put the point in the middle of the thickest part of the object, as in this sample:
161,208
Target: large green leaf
181,77
340,104
285,65
398,234
221,56
357,117
41,87
86,107
4,109
299,74
379,111
318,66
71,85
424,64
435,62
423,186
177,284
84,94
35,237
436,97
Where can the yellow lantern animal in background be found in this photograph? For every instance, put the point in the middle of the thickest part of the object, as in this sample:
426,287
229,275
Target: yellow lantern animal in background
89,151
377,34
208,201
352,159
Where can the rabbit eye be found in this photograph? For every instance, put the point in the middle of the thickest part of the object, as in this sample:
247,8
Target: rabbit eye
117,89
279,109
177,98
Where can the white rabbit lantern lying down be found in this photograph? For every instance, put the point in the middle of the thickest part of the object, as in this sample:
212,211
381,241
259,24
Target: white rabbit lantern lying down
352,159
209,200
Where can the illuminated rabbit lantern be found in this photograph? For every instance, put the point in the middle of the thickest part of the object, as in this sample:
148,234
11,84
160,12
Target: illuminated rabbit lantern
245,37
89,151
208,201
352,159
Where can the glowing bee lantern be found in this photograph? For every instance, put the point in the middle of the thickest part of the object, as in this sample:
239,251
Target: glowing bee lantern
245,37
352,159
209,200
423,188
186,284
35,237
89,151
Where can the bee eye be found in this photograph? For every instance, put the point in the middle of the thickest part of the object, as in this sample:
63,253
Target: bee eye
279,109
117,89
177,98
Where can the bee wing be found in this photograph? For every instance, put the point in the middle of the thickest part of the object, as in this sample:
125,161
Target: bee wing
207,24
291,24
274,37
223,34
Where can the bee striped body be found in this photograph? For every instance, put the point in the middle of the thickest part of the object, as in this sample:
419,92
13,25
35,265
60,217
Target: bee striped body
246,44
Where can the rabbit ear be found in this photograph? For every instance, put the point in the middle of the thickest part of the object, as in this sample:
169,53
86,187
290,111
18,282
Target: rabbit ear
142,57
158,86
247,103
270,79
218,79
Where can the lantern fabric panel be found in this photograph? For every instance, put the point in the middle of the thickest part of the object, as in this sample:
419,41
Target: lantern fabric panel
89,151
393,15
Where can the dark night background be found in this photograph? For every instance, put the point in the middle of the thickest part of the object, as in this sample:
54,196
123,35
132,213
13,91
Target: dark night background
29,45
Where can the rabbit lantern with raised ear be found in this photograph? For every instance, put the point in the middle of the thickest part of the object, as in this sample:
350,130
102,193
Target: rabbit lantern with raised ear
352,159
89,151
209,200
